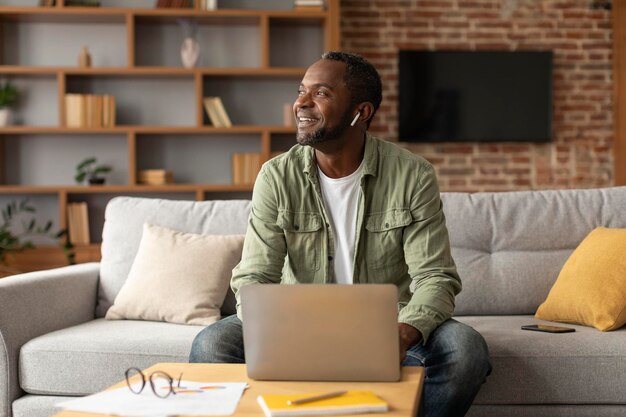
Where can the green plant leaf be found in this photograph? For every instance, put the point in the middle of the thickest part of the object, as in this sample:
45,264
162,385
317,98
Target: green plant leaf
48,226
102,169
80,177
31,225
85,163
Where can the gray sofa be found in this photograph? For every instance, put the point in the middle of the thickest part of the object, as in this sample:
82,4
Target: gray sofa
509,249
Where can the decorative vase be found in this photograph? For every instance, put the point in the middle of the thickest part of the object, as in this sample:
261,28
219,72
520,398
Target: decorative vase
5,116
189,52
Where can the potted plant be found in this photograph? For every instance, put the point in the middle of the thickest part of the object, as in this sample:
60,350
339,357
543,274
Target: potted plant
12,241
8,96
91,170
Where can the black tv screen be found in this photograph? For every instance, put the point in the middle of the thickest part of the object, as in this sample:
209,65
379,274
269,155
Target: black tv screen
463,96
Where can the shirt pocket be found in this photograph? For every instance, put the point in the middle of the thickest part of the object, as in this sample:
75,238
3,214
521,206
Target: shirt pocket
385,249
304,240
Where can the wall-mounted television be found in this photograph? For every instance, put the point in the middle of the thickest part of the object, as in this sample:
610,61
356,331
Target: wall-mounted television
467,96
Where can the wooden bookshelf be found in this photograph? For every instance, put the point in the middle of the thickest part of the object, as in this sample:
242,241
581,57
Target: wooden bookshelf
134,63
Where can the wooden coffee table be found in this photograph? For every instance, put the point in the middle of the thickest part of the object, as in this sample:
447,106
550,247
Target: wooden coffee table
403,396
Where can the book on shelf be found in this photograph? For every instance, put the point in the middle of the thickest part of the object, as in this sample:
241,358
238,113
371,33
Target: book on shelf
308,2
78,223
310,5
208,4
46,3
89,110
155,177
246,167
352,402
82,3
176,4
217,113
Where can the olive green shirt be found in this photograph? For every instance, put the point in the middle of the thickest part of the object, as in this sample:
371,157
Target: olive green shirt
401,235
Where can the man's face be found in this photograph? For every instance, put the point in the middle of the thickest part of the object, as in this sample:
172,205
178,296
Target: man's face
322,108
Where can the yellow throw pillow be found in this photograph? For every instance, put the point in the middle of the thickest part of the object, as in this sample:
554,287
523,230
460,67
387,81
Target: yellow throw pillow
178,277
591,288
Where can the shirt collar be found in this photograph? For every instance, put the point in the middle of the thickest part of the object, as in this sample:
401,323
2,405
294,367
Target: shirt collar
370,157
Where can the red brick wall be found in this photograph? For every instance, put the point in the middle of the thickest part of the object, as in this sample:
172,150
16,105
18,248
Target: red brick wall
580,36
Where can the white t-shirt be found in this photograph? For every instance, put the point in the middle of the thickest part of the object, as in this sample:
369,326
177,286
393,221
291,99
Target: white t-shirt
341,200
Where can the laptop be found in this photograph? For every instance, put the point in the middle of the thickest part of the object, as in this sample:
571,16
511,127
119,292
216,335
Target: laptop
311,332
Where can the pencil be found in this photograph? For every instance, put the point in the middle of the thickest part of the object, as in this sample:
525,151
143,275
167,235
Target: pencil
316,398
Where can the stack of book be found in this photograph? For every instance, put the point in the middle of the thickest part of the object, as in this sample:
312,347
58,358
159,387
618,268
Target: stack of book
217,113
178,4
83,3
246,167
155,177
312,5
78,223
88,110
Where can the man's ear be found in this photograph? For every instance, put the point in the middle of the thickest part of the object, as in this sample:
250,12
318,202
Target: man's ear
367,111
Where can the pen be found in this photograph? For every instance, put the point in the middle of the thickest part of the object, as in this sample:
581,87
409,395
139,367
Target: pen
316,398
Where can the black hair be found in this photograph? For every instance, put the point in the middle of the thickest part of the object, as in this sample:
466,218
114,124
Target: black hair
361,78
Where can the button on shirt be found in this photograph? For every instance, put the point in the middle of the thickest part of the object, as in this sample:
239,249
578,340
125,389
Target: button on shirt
401,236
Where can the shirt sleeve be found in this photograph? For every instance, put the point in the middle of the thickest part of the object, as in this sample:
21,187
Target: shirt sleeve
430,264
264,249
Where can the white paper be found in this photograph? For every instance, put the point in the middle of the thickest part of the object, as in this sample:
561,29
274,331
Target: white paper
193,398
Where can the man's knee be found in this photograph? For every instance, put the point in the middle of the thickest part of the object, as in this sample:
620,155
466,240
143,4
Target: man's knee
217,342
467,350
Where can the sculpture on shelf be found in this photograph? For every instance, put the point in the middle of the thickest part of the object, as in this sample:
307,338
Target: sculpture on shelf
84,59
8,97
90,170
190,48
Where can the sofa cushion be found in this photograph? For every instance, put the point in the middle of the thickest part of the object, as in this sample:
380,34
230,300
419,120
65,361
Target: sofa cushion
584,367
123,225
178,277
89,357
509,247
591,288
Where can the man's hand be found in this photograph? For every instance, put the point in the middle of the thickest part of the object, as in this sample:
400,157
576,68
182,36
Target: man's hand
409,336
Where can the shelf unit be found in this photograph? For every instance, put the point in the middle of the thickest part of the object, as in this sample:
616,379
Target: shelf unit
252,57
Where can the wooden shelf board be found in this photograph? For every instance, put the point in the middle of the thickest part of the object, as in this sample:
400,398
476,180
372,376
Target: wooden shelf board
49,256
157,71
153,130
115,189
63,14
55,130
118,14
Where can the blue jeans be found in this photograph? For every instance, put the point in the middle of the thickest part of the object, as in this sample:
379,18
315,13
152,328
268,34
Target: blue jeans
455,358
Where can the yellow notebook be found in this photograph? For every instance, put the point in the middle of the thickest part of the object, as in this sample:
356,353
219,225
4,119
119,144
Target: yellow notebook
352,402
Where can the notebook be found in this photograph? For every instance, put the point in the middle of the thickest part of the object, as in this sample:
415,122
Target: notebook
352,402
329,332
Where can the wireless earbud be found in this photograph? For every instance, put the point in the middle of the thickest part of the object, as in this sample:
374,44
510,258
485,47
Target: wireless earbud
355,119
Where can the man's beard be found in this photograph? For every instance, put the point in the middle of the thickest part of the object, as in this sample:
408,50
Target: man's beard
324,134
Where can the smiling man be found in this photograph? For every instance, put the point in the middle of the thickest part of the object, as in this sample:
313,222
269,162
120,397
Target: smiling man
345,207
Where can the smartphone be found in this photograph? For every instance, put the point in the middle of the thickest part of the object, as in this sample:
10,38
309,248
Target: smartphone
548,329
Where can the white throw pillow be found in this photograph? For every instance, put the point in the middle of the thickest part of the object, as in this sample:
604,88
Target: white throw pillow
178,277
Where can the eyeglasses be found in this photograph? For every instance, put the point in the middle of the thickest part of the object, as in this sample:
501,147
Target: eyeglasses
162,383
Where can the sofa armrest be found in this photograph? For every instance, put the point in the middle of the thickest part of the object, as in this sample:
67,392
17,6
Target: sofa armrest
37,303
